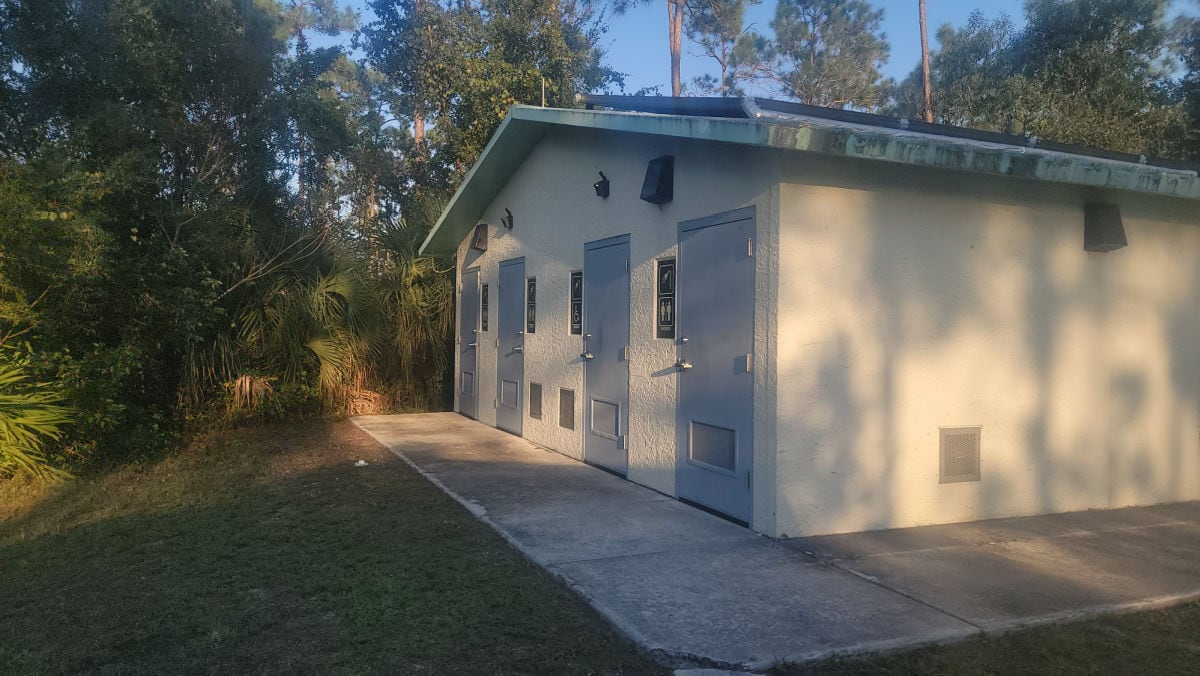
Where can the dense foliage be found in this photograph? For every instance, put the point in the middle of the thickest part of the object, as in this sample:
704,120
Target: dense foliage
1090,72
212,208
1116,74
204,213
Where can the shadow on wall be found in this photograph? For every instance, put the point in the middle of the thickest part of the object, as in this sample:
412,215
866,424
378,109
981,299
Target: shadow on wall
943,310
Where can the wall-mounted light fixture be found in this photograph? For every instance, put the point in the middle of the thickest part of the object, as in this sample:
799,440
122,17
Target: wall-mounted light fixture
659,186
507,221
479,239
1102,227
601,186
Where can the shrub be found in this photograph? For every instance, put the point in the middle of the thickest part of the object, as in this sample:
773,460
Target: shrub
115,409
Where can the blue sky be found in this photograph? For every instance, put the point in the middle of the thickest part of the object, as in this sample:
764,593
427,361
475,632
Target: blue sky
637,42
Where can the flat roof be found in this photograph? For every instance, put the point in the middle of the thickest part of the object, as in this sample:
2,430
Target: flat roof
794,127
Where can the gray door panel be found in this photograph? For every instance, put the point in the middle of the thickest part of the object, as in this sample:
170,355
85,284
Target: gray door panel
468,341
510,335
715,424
606,366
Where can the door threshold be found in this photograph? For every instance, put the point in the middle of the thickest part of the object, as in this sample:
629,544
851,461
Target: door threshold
605,469
710,510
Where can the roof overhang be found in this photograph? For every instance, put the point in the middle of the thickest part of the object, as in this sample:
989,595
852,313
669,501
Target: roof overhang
520,132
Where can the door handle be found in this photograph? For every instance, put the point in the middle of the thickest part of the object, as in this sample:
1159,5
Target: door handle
587,355
472,344
518,348
683,364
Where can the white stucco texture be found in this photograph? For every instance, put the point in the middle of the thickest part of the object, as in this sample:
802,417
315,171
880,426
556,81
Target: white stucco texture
910,302
556,211
890,302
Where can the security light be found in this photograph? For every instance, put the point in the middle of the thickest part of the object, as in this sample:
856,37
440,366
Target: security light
1102,227
659,186
479,239
601,186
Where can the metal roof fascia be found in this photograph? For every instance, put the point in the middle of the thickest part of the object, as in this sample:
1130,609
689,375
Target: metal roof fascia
857,141
508,148
525,125
523,128
718,129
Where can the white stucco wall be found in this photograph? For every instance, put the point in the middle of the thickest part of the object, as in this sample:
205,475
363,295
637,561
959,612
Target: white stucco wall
913,300
556,212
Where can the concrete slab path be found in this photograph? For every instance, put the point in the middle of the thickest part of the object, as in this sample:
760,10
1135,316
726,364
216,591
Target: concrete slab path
692,587
1001,574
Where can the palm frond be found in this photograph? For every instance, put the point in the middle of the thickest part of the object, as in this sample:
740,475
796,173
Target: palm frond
30,414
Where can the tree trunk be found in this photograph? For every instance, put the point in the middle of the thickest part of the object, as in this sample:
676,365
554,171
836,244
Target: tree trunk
675,21
925,66
419,95
372,199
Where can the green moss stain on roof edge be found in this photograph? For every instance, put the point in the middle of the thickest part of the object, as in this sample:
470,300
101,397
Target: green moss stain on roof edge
983,158
524,127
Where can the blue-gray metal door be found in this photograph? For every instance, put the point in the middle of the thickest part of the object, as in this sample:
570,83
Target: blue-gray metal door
605,353
510,337
715,423
468,343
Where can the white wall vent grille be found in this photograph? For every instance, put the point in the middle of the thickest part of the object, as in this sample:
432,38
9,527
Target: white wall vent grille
959,454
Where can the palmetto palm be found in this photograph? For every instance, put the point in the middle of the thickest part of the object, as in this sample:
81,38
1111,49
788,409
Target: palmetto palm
29,416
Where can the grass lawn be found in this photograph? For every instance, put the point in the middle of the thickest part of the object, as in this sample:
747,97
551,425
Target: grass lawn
267,550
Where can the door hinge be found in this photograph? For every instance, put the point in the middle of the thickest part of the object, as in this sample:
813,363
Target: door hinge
747,479
626,265
750,247
749,362
623,442
625,353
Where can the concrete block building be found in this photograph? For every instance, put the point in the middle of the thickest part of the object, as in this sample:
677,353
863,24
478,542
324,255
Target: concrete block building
814,321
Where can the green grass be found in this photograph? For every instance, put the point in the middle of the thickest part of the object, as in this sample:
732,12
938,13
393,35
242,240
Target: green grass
1156,642
267,550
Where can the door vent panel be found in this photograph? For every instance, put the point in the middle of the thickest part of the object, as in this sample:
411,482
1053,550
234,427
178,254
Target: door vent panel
510,392
566,408
468,382
606,417
959,452
712,445
535,401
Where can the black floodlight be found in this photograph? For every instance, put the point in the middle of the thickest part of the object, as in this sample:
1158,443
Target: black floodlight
1102,227
659,186
601,186
507,221
479,239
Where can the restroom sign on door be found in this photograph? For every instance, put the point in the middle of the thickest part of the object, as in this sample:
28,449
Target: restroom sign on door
665,306
576,303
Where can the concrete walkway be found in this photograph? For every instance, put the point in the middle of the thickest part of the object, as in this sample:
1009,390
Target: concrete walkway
691,587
